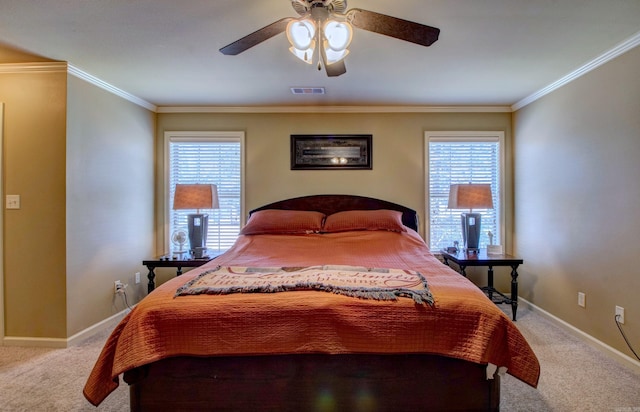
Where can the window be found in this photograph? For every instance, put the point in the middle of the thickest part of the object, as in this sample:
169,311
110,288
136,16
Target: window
207,157
462,157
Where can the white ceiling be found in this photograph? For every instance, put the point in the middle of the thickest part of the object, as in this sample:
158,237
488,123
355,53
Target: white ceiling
490,52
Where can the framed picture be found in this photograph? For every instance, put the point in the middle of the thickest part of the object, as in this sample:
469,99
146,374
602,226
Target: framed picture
325,152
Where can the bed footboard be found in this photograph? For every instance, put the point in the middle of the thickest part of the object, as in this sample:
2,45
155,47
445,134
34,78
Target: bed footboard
313,382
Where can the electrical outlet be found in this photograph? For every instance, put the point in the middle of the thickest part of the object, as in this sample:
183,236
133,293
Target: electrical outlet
620,314
118,286
137,277
581,299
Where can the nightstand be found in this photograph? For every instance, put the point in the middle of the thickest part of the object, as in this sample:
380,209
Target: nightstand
464,259
172,261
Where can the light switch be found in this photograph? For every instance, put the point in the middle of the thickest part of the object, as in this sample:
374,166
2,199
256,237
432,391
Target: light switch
13,202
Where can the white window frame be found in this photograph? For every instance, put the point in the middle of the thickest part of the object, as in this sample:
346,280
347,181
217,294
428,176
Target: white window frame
199,136
465,136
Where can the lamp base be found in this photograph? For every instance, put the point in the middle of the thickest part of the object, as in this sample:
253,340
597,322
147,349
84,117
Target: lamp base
471,231
197,224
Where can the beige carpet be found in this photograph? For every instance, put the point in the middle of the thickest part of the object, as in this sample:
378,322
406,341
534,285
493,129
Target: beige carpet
36,379
575,377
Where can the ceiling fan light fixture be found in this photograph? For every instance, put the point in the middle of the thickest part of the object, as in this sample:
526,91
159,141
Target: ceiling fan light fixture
333,56
304,55
328,25
338,35
301,33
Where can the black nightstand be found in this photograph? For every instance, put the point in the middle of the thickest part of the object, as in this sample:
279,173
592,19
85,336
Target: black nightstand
173,261
480,258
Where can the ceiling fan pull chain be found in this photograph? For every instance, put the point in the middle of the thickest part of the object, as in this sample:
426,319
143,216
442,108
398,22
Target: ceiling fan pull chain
319,48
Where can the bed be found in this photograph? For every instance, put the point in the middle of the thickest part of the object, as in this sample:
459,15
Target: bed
435,344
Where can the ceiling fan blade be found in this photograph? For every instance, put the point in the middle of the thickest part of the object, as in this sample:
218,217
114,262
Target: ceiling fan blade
256,37
394,27
334,69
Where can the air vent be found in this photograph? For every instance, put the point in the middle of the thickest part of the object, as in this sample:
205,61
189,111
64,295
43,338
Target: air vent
307,90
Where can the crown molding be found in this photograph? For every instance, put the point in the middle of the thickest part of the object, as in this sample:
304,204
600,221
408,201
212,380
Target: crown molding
75,71
57,67
616,51
50,67
333,109
41,67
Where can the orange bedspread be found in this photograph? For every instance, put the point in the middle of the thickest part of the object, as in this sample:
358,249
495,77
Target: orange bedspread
462,324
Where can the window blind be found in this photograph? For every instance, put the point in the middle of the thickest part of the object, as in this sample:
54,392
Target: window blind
460,161
209,161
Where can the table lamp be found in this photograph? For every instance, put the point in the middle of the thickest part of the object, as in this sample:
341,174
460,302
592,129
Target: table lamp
470,196
196,196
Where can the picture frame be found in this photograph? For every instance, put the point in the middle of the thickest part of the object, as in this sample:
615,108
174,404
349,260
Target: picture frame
329,152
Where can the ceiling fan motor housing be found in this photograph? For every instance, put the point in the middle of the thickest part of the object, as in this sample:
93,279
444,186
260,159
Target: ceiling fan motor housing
303,7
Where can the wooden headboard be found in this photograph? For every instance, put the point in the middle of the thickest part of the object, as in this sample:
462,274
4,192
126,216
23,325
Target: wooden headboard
329,204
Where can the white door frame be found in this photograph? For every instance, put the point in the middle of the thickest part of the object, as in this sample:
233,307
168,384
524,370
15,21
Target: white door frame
1,227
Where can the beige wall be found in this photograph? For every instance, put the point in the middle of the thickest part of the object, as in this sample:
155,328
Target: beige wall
398,151
110,201
34,235
75,154
577,195
398,171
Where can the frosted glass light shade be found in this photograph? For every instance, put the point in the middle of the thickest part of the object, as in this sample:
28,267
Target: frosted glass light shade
335,36
301,33
304,55
334,56
338,35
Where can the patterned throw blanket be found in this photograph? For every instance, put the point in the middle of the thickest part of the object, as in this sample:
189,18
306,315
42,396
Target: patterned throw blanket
360,282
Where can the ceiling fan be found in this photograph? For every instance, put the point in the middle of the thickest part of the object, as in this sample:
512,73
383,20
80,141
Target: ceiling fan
325,26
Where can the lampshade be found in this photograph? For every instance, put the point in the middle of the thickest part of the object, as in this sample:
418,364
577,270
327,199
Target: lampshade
470,196
196,196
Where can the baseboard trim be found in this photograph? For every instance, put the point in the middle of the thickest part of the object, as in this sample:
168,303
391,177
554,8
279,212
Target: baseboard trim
61,343
54,343
620,357
99,327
